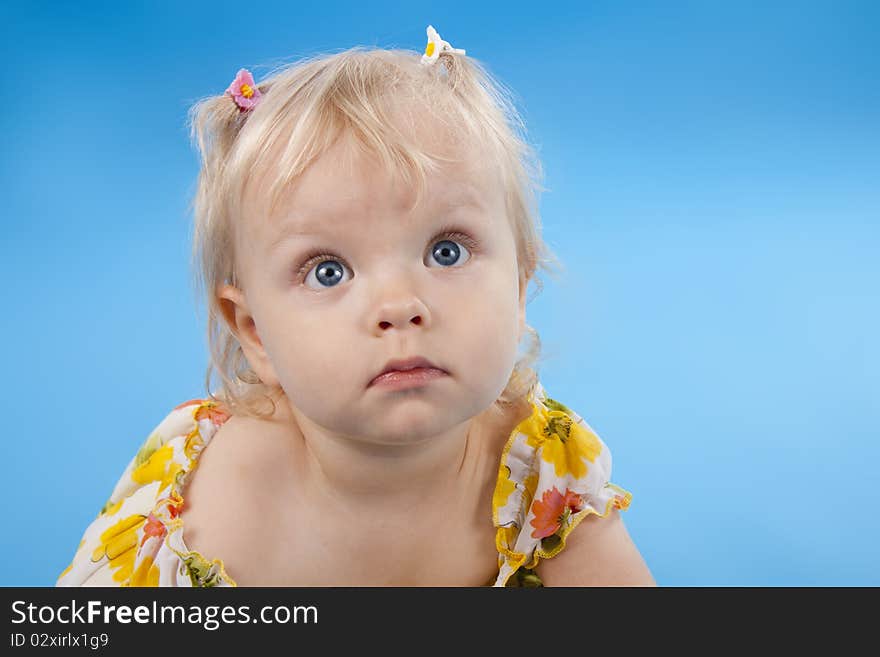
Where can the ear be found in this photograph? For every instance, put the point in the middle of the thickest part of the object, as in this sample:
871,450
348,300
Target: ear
240,320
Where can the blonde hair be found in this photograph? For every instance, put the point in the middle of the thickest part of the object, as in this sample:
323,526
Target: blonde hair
304,108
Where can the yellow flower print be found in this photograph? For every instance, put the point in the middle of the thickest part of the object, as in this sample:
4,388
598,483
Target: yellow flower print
506,486
530,484
160,466
151,444
503,488
119,544
508,536
563,442
147,574
111,508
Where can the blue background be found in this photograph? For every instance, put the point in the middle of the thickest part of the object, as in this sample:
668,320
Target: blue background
714,177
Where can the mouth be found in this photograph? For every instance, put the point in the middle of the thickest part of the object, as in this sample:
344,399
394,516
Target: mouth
408,373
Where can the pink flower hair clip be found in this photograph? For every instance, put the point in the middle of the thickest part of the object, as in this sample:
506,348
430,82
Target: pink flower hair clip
244,91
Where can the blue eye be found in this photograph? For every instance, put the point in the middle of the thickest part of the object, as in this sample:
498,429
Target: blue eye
328,273
447,252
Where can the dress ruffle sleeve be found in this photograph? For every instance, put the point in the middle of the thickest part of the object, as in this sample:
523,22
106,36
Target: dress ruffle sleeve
554,472
137,538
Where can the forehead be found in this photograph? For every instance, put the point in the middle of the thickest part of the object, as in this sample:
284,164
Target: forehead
344,187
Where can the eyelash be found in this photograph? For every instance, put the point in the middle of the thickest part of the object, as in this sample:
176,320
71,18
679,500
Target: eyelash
449,232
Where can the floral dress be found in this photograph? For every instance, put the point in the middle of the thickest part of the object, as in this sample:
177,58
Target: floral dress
554,472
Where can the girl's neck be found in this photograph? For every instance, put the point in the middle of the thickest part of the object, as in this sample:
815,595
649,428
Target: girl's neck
352,477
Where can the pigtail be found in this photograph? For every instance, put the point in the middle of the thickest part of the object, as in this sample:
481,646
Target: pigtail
215,123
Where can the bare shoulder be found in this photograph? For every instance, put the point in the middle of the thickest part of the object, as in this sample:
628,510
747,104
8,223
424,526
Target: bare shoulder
228,495
598,552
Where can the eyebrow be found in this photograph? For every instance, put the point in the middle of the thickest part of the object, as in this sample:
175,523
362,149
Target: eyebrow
319,224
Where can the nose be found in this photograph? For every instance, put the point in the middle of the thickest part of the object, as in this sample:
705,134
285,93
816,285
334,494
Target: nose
399,313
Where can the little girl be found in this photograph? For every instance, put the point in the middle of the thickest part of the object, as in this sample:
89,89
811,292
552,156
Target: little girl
365,231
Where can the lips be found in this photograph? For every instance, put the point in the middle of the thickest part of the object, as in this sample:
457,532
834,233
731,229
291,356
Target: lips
397,365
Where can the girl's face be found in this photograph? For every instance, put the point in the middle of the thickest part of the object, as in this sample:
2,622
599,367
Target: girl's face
343,278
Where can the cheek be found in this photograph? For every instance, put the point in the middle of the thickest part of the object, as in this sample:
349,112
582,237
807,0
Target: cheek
306,351
488,324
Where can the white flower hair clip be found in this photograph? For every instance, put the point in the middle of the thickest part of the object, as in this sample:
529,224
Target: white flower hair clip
435,46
